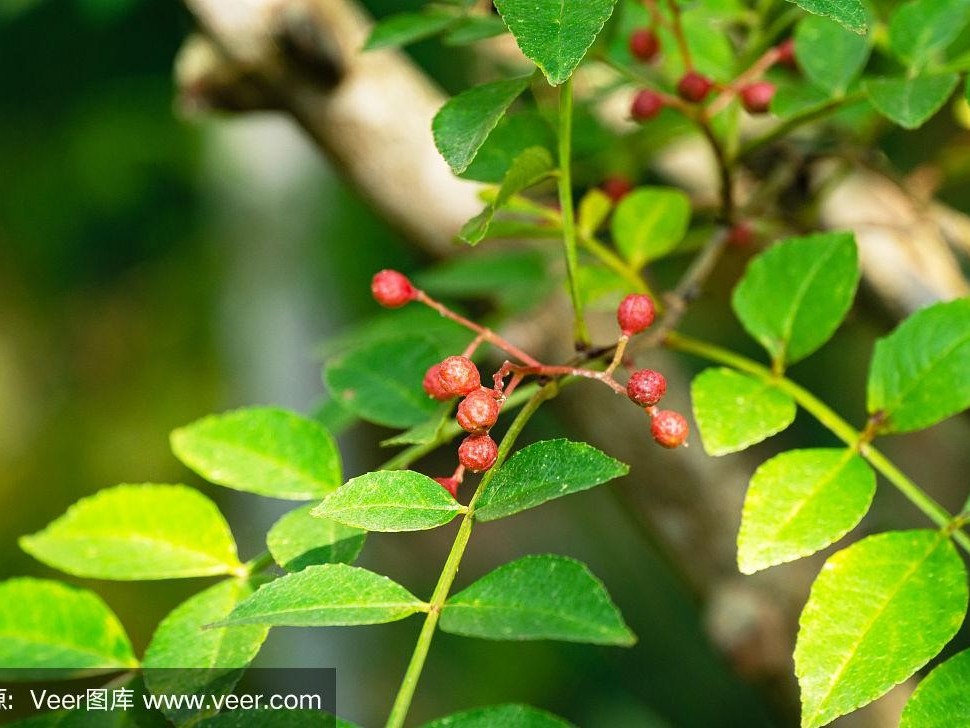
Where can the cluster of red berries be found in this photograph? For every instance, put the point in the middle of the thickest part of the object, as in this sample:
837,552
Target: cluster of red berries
694,87
646,387
479,408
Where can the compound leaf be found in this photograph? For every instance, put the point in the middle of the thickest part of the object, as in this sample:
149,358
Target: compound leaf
299,540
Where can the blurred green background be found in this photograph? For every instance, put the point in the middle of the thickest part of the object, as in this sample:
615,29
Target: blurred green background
154,270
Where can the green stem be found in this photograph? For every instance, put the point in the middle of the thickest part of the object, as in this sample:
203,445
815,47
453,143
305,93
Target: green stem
612,261
581,333
830,419
260,563
402,703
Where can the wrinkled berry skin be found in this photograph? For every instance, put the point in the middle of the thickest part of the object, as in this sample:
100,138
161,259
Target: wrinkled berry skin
478,411
669,428
646,387
392,289
646,105
694,87
644,44
635,313
478,453
458,376
756,97
432,385
449,484
616,188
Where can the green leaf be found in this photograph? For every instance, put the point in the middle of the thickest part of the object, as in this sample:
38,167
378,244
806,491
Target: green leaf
799,99
555,35
829,56
920,29
473,29
133,532
463,124
544,471
513,135
390,500
218,657
734,411
793,296
299,540
594,208
537,598
48,625
424,432
919,372
712,52
878,611
850,14
404,28
940,700
262,450
649,222
380,380
506,716
326,595
910,102
533,165
275,719
802,501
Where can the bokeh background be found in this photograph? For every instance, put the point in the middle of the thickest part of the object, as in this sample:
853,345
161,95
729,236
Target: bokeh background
154,270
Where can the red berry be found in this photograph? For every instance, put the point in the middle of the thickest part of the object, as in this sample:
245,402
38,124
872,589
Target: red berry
477,453
432,385
635,313
669,428
756,97
458,376
786,53
449,484
478,411
741,235
392,289
616,187
694,87
644,44
646,387
646,105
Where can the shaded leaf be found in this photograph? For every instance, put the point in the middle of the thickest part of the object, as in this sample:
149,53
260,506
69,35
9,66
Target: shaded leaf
507,716
910,102
544,471
262,450
919,372
801,501
275,719
878,611
794,295
380,380
133,532
424,432
531,166
390,500
649,222
48,625
404,28
299,539
473,29
829,56
919,29
593,210
537,598
940,700
218,657
326,595
463,124
734,411
555,35
513,135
